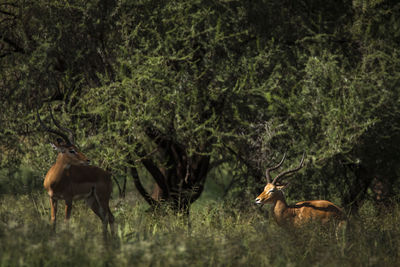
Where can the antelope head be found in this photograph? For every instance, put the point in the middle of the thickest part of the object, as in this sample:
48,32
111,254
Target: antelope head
68,152
273,190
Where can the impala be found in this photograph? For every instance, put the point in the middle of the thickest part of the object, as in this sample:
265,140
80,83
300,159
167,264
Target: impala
300,213
72,178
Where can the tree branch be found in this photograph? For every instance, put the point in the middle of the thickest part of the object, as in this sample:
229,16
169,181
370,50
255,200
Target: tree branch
7,13
157,175
139,186
201,174
13,44
254,171
119,187
152,169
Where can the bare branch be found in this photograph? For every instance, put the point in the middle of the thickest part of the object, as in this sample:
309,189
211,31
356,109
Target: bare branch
139,186
13,44
7,13
255,172
119,187
152,168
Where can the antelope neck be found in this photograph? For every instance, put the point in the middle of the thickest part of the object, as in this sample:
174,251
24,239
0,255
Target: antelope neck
62,162
61,159
279,207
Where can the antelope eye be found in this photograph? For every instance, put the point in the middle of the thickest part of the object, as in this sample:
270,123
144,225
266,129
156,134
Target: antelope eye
72,152
271,190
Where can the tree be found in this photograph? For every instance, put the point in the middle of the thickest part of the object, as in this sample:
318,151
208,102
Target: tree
339,104
182,89
169,91
48,52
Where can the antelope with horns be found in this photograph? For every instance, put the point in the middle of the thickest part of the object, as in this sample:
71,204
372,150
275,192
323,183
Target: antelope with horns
72,178
300,213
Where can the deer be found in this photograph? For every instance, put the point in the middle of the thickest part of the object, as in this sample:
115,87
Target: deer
301,213
72,178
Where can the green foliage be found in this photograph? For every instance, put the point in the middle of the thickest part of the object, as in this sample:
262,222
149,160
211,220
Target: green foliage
256,78
176,75
22,181
238,81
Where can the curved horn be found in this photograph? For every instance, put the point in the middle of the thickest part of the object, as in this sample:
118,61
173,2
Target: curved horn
282,174
267,175
71,133
48,129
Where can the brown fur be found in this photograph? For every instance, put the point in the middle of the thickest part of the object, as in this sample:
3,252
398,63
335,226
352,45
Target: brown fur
71,178
300,213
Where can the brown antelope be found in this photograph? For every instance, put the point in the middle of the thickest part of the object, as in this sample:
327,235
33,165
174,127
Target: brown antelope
300,213
72,178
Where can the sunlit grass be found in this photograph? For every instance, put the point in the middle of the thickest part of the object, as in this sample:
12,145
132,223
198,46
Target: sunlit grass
220,235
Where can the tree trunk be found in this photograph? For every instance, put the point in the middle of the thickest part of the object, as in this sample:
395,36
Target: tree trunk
358,187
180,181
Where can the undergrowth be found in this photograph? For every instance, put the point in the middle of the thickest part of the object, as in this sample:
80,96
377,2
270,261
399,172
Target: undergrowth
219,235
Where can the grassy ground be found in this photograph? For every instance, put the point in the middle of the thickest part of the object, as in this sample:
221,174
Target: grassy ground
220,235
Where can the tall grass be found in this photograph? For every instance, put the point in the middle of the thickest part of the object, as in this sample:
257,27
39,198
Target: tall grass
220,235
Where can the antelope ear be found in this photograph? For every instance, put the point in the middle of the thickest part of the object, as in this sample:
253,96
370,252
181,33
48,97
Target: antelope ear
281,186
57,147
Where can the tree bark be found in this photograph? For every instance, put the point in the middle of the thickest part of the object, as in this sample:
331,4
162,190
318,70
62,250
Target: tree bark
180,181
357,187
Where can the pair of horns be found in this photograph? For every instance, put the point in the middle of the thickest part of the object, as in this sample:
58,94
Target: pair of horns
280,176
69,139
